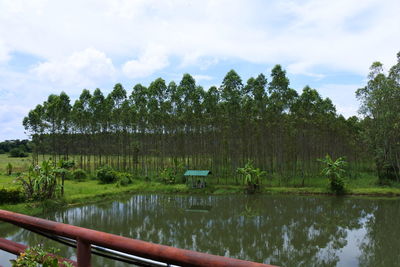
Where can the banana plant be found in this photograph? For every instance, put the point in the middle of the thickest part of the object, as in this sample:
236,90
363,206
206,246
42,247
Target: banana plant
252,176
333,170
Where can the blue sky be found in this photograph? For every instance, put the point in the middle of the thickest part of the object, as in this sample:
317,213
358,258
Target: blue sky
52,46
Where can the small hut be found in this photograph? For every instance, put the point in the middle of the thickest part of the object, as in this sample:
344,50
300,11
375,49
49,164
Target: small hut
196,179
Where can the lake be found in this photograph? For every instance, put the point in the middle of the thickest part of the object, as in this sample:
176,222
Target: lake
284,230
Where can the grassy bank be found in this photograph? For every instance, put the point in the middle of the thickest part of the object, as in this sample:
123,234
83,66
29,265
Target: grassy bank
90,191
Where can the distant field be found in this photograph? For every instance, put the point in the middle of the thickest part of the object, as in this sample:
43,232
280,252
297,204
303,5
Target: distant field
19,164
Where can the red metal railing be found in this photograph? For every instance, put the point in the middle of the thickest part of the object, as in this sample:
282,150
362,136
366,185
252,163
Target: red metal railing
87,237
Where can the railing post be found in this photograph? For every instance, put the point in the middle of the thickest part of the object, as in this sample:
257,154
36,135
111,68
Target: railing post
83,253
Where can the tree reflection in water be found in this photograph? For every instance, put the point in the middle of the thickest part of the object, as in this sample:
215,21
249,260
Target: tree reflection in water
281,230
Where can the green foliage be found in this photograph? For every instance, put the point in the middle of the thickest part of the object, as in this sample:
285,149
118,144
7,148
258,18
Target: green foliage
2,151
124,179
9,168
40,182
66,164
79,175
252,176
11,196
168,176
106,175
18,153
36,256
334,169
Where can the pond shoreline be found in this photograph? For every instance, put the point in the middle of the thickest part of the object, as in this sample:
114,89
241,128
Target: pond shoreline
76,196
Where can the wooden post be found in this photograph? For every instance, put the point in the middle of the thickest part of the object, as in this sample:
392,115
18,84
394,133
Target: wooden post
83,253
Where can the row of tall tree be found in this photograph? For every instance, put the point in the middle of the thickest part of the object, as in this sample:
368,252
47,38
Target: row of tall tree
168,125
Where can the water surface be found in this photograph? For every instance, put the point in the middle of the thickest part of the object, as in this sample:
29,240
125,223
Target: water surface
280,230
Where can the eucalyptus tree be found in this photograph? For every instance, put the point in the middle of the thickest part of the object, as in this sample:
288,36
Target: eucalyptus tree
127,115
81,118
64,122
231,95
255,119
115,99
175,120
98,123
184,98
165,105
50,110
212,125
139,101
34,123
249,134
281,99
187,90
156,94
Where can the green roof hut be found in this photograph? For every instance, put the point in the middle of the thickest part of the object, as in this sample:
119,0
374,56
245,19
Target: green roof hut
196,178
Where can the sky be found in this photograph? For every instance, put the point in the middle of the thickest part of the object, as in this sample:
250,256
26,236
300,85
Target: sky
49,46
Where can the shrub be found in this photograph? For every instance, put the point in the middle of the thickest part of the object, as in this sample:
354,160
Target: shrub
106,175
168,176
124,179
18,153
11,196
79,175
2,151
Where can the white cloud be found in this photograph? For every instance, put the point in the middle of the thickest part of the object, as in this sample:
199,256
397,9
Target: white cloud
153,59
80,68
302,68
3,52
343,35
200,77
323,33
